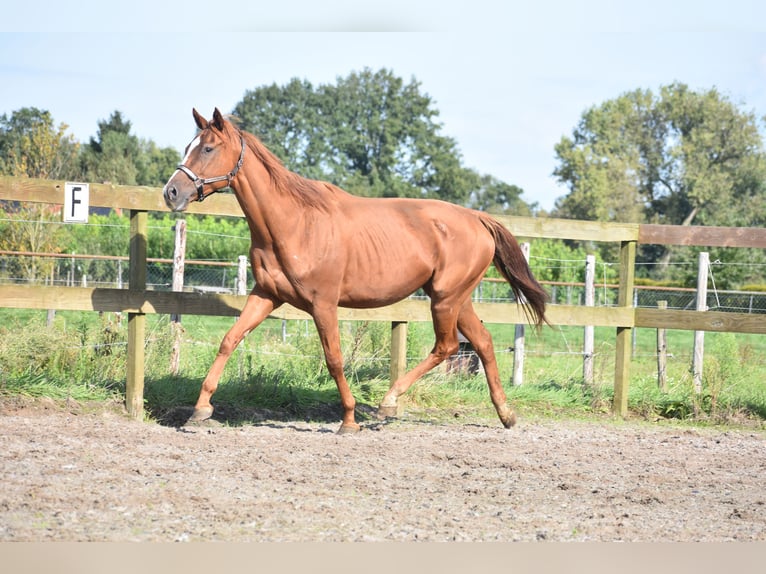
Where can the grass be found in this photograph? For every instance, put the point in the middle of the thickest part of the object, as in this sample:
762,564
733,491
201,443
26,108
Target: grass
83,357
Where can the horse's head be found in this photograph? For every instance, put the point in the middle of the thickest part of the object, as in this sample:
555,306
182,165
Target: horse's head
217,147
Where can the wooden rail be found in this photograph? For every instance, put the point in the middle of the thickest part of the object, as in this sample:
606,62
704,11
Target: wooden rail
137,301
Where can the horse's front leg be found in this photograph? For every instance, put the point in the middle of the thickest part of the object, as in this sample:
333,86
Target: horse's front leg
326,321
257,308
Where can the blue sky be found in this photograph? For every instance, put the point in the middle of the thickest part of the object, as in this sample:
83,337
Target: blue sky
508,78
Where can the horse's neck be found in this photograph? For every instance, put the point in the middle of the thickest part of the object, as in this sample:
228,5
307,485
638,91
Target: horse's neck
263,206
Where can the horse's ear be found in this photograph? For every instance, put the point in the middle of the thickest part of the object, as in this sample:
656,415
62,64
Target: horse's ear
218,120
201,122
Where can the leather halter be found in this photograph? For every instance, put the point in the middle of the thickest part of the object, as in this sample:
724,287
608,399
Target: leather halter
200,183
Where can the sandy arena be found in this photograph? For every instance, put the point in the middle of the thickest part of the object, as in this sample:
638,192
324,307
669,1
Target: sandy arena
76,474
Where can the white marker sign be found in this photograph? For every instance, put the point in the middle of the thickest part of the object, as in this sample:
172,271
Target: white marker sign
76,199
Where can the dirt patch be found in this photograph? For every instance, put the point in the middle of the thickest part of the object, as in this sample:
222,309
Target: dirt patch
78,474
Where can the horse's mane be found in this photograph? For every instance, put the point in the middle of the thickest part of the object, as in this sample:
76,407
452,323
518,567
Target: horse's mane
307,192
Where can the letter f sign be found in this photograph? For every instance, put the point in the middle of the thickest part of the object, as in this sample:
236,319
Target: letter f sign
76,202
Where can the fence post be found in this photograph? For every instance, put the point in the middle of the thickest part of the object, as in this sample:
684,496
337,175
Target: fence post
240,288
699,336
398,349
242,275
633,341
179,259
518,340
662,353
588,332
134,389
118,314
624,334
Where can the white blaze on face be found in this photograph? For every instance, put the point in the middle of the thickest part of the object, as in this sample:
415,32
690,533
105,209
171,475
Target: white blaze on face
192,146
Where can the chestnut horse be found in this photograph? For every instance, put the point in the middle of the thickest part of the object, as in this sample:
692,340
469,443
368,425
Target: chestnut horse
317,247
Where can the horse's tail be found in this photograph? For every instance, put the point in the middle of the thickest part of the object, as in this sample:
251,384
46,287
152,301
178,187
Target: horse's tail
510,261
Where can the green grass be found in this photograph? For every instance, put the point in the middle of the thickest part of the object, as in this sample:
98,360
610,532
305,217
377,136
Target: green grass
83,357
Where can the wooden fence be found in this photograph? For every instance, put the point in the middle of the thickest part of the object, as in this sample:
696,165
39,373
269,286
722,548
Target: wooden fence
137,301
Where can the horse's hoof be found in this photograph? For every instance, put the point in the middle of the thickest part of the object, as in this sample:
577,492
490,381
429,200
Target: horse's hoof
385,412
349,428
200,415
508,419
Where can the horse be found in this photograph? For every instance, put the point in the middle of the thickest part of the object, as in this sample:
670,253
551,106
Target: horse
317,247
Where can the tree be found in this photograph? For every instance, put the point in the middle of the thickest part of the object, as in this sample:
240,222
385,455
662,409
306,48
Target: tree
288,121
680,157
370,133
384,133
119,157
155,165
111,155
31,145
495,196
717,169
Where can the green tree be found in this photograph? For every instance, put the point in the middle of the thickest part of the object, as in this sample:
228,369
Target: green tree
111,156
32,228
119,157
288,120
370,133
385,133
32,145
154,165
495,196
679,157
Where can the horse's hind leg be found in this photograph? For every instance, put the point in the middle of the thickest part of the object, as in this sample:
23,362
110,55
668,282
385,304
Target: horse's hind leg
256,309
481,340
446,344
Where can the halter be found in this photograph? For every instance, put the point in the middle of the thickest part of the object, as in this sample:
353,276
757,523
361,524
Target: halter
200,183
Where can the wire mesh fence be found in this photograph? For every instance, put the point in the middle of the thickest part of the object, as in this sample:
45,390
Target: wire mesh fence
104,271
492,290
221,277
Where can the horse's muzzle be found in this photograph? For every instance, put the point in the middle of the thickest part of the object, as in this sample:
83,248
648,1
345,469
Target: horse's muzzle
174,199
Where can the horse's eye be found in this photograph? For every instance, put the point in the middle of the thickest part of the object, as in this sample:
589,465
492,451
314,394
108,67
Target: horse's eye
208,149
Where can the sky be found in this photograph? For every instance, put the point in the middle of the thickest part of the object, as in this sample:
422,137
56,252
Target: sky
509,79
